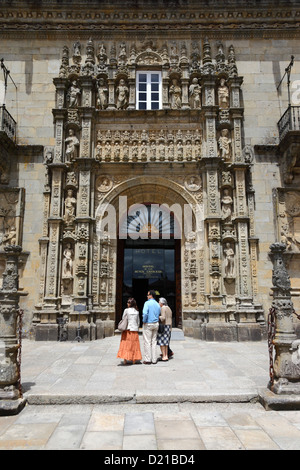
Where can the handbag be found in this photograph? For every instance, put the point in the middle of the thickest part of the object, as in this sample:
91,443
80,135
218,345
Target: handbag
122,326
161,328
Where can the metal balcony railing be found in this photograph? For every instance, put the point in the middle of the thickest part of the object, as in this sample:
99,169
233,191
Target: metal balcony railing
289,121
7,123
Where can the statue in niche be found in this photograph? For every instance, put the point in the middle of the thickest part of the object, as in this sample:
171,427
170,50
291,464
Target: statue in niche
72,145
122,95
77,49
224,143
227,205
223,94
67,267
195,94
73,95
175,94
229,260
102,99
215,286
70,204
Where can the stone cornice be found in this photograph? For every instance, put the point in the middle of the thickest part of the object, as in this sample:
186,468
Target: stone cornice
216,19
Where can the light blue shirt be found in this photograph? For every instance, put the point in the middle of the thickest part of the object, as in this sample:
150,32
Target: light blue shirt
151,311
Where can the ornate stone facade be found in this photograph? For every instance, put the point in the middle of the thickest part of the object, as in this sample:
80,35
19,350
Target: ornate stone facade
209,143
106,148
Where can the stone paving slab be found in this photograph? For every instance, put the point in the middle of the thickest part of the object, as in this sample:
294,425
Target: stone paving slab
151,428
206,398
90,373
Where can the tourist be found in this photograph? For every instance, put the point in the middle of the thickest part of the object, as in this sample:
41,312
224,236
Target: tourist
151,312
129,349
163,339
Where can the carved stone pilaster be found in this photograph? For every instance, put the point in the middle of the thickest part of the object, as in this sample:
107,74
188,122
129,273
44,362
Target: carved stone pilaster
286,364
245,288
11,399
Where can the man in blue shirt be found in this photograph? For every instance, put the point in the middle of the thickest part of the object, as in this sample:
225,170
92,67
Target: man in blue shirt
151,312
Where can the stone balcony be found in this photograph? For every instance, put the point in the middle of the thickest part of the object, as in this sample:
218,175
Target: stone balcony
8,126
289,122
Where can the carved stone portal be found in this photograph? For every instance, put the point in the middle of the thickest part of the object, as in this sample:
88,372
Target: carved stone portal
105,149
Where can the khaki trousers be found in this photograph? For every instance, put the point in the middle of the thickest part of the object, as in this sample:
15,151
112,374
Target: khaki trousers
150,338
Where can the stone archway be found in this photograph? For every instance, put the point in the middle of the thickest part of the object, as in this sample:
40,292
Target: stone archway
189,255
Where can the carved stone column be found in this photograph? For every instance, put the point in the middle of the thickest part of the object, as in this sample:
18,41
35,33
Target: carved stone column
287,361
11,400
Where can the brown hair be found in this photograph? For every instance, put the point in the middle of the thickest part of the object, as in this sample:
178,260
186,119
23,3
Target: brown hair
132,303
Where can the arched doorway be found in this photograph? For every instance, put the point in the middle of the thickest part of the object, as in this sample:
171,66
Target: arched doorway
148,257
165,232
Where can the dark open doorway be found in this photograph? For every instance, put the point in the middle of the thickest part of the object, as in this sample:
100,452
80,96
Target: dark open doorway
149,264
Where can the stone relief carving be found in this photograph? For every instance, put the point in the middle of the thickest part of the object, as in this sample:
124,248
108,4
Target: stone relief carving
148,145
289,219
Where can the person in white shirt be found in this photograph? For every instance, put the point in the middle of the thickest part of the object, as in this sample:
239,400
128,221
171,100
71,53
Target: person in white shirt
129,349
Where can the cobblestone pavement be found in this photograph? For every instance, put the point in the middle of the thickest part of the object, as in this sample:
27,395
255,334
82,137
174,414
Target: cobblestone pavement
80,397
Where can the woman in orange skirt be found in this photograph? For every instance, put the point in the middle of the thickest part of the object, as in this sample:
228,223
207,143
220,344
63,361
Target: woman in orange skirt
129,349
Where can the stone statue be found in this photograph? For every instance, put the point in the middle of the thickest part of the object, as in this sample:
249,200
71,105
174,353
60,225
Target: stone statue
73,95
72,144
70,204
223,94
229,260
67,269
102,99
175,94
195,94
122,95
225,144
226,205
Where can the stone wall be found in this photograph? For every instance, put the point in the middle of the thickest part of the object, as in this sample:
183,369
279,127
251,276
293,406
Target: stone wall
33,65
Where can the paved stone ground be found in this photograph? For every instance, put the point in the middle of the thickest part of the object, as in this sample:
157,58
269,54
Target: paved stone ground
80,397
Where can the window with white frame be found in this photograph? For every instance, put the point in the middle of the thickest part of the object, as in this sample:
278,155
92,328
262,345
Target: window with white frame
148,90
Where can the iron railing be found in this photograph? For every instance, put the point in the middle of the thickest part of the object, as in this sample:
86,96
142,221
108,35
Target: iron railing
289,121
7,123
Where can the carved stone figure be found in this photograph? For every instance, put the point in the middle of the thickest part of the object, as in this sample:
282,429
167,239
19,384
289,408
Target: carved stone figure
195,94
175,94
229,260
223,94
224,143
67,268
10,237
102,99
73,95
226,205
122,95
72,145
70,204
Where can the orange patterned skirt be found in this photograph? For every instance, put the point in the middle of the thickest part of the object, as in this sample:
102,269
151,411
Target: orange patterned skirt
130,346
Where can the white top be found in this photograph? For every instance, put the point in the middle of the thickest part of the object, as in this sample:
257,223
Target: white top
133,319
